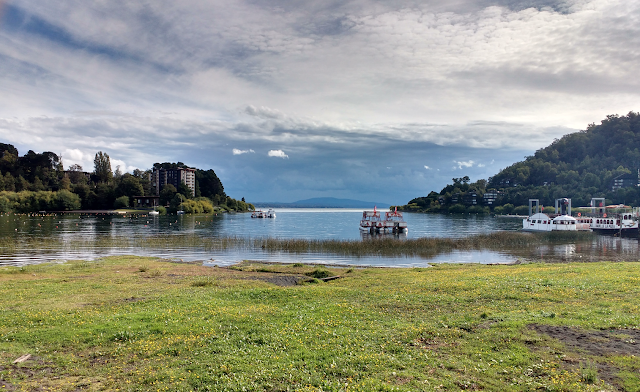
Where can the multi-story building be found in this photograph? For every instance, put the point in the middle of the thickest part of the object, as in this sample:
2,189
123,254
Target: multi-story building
625,181
175,177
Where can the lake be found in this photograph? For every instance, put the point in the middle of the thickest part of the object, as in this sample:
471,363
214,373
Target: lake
83,234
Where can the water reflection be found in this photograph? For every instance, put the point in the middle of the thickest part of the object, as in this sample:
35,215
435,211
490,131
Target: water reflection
64,237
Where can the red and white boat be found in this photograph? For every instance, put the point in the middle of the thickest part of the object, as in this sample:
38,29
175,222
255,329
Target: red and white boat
612,219
394,222
373,223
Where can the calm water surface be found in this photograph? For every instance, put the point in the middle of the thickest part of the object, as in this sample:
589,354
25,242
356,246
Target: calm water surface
340,224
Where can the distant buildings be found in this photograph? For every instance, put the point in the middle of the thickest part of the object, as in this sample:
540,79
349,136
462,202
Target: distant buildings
624,181
162,177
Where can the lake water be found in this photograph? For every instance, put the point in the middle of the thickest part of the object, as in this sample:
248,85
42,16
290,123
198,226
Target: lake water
340,224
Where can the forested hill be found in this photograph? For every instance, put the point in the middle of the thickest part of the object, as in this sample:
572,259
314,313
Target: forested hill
580,166
38,182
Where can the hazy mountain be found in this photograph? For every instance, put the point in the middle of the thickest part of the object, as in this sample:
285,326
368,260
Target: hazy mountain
324,202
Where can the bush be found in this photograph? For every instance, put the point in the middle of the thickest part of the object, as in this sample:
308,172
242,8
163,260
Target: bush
121,202
457,209
28,201
162,210
66,200
319,273
507,208
521,210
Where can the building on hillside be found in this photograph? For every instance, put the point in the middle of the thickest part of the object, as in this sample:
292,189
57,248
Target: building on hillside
489,198
162,177
470,199
624,181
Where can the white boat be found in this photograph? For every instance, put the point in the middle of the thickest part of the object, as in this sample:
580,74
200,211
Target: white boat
371,222
560,221
613,219
263,214
154,212
393,222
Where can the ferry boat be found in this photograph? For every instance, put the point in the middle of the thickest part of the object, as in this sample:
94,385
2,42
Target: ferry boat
612,220
264,214
561,220
393,222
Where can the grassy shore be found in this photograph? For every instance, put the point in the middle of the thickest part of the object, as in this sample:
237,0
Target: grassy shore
139,324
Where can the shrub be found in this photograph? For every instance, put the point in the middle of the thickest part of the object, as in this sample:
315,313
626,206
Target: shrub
457,209
319,273
66,200
121,202
521,210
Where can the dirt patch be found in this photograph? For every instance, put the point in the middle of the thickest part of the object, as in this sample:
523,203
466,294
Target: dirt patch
597,345
281,280
5,386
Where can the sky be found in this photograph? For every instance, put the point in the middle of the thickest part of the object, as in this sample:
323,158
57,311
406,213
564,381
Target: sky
372,100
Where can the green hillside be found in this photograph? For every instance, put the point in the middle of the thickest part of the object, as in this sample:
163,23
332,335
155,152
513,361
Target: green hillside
580,166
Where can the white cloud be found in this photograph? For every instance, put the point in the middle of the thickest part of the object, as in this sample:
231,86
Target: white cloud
427,167
240,152
462,164
277,154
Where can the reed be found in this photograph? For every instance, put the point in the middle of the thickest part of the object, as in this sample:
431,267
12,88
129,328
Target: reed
384,246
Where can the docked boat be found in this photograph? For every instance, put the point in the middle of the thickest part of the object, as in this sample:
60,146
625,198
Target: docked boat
263,214
561,220
371,222
393,223
612,220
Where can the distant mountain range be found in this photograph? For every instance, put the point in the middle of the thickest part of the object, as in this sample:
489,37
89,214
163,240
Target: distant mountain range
323,202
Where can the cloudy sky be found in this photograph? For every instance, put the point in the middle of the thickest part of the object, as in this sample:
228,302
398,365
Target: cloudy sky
291,99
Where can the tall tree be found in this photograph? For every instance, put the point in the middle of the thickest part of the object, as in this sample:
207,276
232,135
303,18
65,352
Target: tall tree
102,165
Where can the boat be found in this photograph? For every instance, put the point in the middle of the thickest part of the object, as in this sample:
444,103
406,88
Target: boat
264,214
393,223
154,212
561,220
371,222
620,220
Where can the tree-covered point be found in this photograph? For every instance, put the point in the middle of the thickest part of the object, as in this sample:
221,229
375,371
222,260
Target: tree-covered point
37,182
600,161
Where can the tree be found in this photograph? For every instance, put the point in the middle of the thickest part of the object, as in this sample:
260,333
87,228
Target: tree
167,193
129,186
185,190
102,167
209,185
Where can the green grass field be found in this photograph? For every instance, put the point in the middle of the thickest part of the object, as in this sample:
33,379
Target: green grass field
138,324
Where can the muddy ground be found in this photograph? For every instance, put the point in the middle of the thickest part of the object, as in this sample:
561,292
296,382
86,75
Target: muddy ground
595,347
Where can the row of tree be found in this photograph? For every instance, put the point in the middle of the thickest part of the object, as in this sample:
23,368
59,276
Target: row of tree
581,166
43,184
